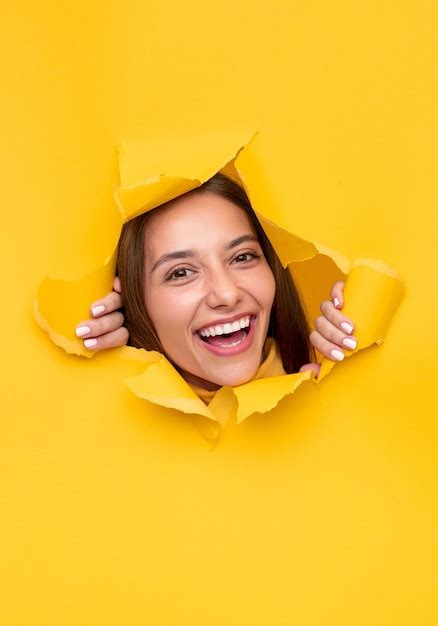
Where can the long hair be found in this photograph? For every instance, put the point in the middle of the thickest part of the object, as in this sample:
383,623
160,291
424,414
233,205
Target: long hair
288,323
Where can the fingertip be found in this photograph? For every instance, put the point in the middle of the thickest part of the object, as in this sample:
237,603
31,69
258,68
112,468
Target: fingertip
90,344
337,294
347,327
117,285
97,309
311,367
82,330
336,355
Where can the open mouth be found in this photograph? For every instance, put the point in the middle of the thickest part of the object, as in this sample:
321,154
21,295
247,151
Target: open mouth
228,339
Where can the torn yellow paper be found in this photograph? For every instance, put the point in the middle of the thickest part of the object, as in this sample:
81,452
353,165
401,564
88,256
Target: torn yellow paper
373,292
151,174
289,247
260,396
162,384
62,304
175,168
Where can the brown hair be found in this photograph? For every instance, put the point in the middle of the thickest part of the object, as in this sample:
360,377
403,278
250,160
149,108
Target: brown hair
288,323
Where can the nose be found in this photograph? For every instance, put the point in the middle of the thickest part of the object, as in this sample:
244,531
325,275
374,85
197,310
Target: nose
223,290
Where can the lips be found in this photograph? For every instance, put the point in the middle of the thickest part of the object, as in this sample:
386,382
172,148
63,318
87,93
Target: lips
229,344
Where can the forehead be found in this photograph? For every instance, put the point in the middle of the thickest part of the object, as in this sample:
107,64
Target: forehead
196,220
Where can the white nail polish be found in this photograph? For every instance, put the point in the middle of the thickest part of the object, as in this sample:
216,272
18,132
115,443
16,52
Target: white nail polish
90,343
336,302
337,355
82,330
349,343
348,328
96,310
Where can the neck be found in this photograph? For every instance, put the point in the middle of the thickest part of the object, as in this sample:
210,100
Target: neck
208,385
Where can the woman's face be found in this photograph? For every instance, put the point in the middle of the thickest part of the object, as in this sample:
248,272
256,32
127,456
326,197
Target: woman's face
208,289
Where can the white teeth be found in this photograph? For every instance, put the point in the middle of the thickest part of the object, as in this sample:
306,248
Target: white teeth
231,345
221,329
244,322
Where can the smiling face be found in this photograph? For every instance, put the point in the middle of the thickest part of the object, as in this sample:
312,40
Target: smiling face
208,289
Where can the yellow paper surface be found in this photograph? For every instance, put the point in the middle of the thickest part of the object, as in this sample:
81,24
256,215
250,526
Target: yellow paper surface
373,291
320,511
374,294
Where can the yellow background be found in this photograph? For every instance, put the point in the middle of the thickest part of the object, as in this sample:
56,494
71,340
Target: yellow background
323,511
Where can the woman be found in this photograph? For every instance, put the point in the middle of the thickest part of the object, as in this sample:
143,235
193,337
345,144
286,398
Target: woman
203,285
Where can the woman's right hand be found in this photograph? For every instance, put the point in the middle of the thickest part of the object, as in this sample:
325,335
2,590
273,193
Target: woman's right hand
105,329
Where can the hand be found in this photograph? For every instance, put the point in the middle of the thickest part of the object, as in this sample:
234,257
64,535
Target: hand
333,332
106,329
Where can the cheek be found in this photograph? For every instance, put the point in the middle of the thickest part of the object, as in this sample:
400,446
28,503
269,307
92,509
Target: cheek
171,311
263,287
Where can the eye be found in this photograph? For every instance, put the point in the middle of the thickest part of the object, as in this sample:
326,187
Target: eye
245,257
179,274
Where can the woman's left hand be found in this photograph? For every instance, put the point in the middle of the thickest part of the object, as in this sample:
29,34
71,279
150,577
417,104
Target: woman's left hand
333,331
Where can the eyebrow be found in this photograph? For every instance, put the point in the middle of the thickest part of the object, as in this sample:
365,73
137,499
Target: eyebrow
186,254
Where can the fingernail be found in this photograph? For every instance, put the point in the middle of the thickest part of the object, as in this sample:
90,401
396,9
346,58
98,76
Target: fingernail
97,310
349,343
90,343
82,330
337,355
348,328
336,302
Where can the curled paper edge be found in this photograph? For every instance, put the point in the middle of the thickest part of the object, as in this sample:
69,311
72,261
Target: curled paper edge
160,383
373,292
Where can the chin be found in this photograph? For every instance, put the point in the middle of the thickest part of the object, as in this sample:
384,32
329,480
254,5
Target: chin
233,379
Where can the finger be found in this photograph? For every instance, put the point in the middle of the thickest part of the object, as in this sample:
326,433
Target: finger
327,348
311,366
105,324
337,294
117,285
109,303
334,316
114,339
332,334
